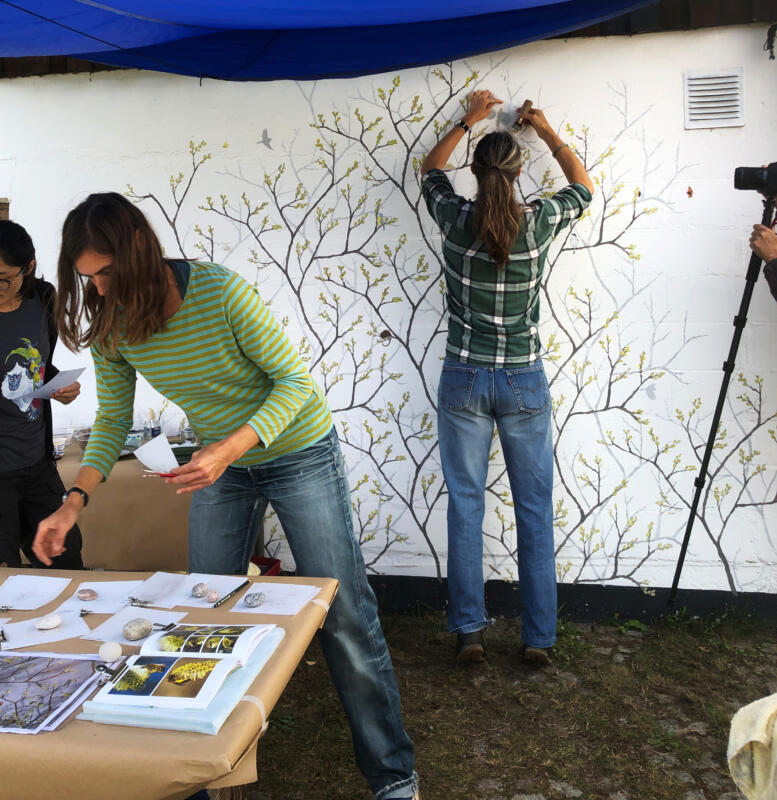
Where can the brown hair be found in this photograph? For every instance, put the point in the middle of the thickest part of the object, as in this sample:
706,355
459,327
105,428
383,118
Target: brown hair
498,216
112,226
17,250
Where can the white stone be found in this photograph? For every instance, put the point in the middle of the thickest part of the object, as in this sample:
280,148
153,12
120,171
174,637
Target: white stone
254,599
109,651
199,589
48,622
137,628
211,597
86,595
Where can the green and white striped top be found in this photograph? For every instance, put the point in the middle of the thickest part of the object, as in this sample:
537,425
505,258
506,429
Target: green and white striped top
225,360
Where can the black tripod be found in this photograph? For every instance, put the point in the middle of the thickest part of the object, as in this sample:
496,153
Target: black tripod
740,319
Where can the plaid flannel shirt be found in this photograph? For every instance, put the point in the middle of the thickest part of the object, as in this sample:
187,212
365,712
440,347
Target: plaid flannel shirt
494,311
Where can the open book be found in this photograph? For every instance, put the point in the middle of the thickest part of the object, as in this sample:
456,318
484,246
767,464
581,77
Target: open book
183,667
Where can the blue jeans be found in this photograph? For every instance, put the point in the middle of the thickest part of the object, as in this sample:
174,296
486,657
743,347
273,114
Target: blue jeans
309,493
470,400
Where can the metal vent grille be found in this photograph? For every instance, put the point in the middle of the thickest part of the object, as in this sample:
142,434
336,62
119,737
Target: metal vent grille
713,99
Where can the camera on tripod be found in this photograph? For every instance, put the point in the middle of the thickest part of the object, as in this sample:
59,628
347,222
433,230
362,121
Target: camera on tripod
761,179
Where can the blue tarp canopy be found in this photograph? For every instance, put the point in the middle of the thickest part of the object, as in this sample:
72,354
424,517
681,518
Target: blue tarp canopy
298,39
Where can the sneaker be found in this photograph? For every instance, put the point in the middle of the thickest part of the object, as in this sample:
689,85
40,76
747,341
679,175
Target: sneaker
415,796
469,648
537,656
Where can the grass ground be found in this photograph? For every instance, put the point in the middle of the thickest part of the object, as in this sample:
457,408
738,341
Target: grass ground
626,712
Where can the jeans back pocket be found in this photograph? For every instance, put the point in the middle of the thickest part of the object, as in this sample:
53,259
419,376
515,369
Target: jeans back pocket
530,388
456,382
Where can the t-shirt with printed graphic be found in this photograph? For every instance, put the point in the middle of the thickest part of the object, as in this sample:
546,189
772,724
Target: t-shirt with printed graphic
24,350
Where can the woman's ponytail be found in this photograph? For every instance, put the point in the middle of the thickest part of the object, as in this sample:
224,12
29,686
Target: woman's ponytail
498,215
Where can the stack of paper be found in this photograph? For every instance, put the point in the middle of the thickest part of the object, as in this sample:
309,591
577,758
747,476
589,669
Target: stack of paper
39,690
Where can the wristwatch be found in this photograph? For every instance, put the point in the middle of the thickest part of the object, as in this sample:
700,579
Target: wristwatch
77,490
463,125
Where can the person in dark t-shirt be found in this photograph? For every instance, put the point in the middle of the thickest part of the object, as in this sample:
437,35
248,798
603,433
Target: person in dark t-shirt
30,486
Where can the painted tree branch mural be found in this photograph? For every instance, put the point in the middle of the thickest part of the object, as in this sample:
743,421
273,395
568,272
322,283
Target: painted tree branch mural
341,246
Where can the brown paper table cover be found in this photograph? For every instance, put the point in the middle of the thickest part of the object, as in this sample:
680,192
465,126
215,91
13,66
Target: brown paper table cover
154,520
84,760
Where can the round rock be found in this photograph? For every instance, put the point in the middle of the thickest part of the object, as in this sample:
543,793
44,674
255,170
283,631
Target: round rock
109,651
137,628
254,599
86,595
48,622
199,589
211,597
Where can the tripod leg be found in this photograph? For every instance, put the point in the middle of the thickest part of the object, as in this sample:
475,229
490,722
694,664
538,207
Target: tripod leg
740,320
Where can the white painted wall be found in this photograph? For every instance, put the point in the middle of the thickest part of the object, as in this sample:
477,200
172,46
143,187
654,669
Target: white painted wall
65,136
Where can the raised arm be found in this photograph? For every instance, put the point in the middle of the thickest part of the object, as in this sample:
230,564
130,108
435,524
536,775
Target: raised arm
479,105
570,164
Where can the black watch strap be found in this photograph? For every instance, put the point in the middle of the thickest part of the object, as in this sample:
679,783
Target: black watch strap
77,490
463,125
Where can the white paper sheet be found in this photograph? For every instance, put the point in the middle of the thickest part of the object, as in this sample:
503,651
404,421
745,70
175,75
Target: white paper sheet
182,596
157,454
112,596
111,629
159,586
167,589
25,634
28,592
280,598
59,381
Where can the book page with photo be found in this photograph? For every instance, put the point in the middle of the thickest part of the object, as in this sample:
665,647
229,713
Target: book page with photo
213,641
183,667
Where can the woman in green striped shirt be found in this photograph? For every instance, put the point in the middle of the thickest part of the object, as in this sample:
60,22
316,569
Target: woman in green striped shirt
203,338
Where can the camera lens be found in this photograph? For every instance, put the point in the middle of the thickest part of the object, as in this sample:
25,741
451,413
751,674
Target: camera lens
751,178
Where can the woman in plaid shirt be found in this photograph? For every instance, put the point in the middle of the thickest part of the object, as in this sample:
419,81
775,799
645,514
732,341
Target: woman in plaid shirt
494,251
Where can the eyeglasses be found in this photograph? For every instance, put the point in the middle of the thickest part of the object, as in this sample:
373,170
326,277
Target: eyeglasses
7,282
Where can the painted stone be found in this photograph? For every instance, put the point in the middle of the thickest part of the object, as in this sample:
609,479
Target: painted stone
109,651
199,589
86,595
137,628
48,622
211,597
254,599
